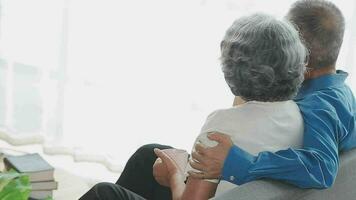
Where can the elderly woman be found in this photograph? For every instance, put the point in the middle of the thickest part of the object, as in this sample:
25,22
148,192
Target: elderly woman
263,64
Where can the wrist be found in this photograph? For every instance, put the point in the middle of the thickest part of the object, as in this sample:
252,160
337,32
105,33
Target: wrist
177,187
236,166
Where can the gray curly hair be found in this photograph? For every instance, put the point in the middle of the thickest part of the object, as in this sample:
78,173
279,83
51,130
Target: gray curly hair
263,59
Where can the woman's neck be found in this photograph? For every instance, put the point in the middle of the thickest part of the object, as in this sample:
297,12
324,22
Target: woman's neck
238,101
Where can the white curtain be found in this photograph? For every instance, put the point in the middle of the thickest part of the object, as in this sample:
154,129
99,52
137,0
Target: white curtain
98,78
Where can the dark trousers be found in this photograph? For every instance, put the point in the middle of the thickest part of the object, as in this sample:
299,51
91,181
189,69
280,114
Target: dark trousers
136,181
110,191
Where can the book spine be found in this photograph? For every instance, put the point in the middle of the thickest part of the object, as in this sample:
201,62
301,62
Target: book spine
9,166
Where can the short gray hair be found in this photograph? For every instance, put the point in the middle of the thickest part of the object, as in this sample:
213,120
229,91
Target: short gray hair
263,59
322,27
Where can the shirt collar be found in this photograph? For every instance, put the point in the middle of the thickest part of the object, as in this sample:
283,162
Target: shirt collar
322,82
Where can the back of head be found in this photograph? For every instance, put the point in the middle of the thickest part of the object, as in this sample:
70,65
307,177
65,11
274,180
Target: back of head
321,25
263,58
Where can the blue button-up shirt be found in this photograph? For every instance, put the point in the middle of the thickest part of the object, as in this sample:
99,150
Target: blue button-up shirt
328,108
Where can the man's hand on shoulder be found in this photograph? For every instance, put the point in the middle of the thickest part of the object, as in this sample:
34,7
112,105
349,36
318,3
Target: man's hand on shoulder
210,160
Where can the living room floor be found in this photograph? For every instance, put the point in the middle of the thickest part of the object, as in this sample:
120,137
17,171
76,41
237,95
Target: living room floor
74,178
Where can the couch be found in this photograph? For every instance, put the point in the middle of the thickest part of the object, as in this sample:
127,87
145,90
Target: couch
344,187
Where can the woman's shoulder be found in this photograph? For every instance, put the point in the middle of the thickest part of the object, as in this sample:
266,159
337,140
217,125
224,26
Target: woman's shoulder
254,110
225,116
223,112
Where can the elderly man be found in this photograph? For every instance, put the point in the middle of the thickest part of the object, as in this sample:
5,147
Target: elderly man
327,105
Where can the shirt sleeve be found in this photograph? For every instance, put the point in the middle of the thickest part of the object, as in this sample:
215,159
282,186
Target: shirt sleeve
313,166
204,140
210,125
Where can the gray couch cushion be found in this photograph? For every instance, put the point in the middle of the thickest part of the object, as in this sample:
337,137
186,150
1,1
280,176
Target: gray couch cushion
344,187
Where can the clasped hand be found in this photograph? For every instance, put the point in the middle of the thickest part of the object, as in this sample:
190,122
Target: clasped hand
209,161
166,171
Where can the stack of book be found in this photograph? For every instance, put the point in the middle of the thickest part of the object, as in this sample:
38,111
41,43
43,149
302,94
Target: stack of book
40,172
